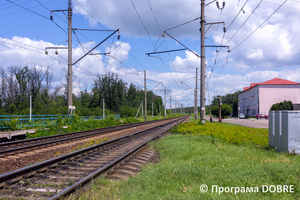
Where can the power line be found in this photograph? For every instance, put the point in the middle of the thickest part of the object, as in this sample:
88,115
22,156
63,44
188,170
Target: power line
259,25
142,22
244,22
266,46
28,9
242,9
90,14
220,71
160,33
151,39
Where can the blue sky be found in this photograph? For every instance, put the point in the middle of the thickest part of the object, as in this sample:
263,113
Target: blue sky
265,42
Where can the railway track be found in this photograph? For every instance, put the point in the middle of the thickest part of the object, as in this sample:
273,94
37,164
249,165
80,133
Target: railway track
21,146
57,178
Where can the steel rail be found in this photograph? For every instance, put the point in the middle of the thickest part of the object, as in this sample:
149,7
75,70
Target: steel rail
67,134
61,138
90,177
12,177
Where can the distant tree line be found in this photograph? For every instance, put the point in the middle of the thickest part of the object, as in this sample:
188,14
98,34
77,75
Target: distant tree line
17,84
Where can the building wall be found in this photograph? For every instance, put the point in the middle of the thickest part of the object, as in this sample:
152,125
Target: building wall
249,102
271,94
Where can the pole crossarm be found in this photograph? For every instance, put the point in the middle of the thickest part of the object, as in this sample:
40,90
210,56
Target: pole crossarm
164,51
156,86
99,54
182,44
95,47
58,10
56,48
216,46
210,2
215,23
186,85
224,28
85,29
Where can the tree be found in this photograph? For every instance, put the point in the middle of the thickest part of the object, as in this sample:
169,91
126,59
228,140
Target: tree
229,99
225,110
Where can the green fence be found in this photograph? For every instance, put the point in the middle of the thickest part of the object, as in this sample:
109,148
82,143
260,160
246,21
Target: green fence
27,121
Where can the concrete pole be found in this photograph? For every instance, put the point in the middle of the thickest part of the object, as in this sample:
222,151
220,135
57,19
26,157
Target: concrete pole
202,106
171,105
165,103
181,108
152,109
30,106
175,107
238,106
103,108
220,105
70,100
142,110
196,95
145,95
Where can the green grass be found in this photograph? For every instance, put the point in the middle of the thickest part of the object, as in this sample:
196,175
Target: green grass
190,160
233,133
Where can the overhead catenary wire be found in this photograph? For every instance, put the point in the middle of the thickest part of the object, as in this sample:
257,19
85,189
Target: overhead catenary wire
259,26
67,33
151,39
244,22
160,33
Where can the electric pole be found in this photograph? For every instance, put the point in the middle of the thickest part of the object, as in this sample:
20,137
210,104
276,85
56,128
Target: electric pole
165,102
142,110
170,105
152,109
165,90
103,108
196,101
181,108
145,95
70,100
220,105
202,49
202,93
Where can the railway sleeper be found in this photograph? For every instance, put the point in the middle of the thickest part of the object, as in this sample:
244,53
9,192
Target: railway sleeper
42,170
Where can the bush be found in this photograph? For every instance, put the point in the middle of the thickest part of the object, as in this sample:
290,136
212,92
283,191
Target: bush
225,110
131,120
286,105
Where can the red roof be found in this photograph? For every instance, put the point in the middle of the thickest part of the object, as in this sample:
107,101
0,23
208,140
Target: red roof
246,88
274,81
279,81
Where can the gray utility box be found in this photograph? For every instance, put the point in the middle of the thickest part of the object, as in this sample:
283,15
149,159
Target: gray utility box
284,130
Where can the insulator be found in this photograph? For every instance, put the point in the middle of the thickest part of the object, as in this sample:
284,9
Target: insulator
56,52
223,4
51,17
224,29
217,50
218,5
119,36
163,35
46,52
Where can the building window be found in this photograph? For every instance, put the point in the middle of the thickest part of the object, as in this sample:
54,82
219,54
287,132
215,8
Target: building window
253,111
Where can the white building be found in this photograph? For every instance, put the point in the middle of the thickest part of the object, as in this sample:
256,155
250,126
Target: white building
259,97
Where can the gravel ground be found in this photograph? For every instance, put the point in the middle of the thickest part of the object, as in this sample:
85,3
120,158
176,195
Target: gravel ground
12,163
